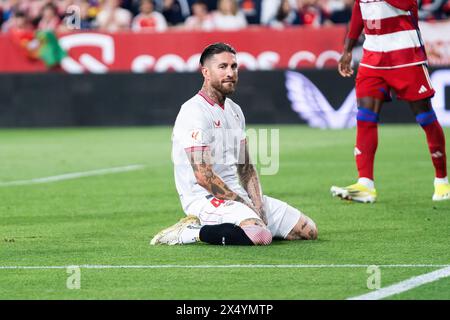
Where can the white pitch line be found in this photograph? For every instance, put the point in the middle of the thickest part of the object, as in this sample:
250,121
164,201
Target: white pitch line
74,175
405,285
231,266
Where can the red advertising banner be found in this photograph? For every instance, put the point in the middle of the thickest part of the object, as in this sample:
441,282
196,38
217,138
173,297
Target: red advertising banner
259,49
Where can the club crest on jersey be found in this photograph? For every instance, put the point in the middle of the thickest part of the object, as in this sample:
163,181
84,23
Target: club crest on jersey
216,124
196,135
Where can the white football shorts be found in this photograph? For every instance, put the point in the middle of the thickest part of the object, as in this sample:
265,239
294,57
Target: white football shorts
212,211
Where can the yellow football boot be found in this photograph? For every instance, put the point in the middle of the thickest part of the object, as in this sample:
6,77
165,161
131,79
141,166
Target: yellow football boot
441,192
355,192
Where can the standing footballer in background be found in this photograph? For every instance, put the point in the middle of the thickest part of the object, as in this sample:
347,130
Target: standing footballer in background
394,58
218,186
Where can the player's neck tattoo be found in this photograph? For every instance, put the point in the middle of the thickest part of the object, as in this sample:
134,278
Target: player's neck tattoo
214,95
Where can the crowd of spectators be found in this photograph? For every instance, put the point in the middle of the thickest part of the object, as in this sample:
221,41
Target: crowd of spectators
201,15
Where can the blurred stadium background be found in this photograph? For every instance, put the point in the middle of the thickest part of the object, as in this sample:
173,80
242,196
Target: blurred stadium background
149,51
68,67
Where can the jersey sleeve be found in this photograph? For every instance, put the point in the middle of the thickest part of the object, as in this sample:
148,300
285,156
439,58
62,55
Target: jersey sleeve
192,130
406,5
356,22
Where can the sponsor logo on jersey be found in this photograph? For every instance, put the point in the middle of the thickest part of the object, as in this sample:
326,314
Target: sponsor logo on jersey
423,89
196,135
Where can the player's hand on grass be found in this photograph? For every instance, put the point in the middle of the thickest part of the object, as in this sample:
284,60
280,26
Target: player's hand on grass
345,64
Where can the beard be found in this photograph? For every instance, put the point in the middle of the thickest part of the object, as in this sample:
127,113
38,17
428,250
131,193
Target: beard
226,88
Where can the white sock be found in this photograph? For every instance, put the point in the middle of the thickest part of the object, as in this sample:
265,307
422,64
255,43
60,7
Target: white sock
367,183
440,180
190,234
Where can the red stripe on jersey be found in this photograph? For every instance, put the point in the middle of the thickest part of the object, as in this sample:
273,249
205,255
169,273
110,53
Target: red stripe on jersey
388,25
192,149
403,4
396,58
409,52
209,100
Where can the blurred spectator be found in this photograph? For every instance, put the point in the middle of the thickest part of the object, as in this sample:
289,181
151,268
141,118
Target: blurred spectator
339,11
200,19
116,15
86,16
446,9
269,9
311,13
8,14
148,19
71,22
8,9
228,17
18,25
175,11
62,5
22,34
34,9
286,16
132,6
49,18
112,17
251,10
212,4
431,9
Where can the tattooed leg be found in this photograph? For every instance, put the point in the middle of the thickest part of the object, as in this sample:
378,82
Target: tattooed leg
252,222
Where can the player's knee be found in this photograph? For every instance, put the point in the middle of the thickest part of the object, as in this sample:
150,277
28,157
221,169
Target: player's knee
257,234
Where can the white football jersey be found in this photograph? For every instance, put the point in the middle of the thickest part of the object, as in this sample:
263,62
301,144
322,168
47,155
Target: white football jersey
203,124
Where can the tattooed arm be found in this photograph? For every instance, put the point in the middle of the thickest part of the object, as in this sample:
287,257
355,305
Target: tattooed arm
250,181
201,164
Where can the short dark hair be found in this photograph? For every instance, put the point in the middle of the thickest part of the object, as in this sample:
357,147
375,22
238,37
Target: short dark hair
213,49
200,2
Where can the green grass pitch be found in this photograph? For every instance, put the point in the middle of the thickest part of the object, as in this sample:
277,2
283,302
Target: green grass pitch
109,219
